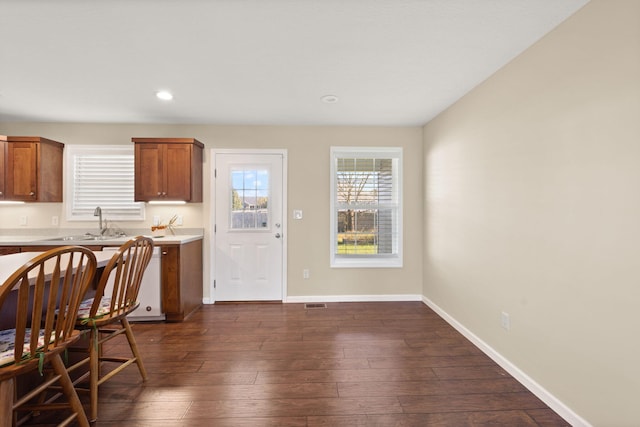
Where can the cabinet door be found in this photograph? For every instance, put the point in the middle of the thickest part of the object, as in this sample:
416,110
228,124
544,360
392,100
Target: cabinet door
149,176
178,172
181,278
21,171
49,170
170,283
3,148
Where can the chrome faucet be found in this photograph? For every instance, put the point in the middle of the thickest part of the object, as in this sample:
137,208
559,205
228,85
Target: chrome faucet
98,212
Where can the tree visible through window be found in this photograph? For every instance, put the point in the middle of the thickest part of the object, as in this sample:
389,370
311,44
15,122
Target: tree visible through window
249,198
366,204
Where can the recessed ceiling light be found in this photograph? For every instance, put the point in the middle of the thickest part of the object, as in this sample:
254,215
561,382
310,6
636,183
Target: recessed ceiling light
164,95
329,99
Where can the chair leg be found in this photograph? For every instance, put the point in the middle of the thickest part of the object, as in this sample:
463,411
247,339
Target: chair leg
6,402
134,347
69,391
94,373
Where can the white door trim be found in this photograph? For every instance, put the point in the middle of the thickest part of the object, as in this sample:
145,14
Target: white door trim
212,210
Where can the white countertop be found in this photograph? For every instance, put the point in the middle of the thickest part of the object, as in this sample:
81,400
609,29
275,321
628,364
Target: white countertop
14,240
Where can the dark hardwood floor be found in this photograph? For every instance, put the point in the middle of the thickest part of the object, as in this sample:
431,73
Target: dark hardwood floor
350,364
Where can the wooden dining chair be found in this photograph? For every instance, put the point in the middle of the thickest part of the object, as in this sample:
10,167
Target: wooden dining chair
105,315
48,290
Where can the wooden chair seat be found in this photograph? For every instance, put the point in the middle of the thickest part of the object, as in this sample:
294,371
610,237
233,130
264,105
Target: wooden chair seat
104,308
8,344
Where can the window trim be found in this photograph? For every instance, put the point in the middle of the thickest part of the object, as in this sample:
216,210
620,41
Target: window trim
366,261
73,150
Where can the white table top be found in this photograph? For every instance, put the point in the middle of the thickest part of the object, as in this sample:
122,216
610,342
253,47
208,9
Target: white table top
10,263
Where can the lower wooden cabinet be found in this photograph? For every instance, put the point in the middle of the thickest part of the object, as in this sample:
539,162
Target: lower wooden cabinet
181,273
6,250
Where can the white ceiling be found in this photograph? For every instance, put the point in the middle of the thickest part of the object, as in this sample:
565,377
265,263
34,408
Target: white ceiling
390,62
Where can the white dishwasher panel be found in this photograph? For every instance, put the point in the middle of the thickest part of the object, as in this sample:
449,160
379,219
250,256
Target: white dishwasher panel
150,296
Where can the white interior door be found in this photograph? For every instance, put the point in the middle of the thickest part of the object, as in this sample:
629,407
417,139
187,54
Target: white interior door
248,227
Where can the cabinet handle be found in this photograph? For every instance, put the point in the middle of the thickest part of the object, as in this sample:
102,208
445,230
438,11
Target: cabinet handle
32,194
164,253
159,193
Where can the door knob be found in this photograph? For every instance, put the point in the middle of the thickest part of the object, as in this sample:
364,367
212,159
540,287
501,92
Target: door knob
277,235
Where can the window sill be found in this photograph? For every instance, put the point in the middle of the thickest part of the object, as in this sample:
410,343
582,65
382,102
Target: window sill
393,262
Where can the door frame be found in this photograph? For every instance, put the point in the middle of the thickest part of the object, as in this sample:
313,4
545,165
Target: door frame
212,212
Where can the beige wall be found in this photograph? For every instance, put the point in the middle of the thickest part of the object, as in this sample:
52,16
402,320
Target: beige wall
308,189
532,187
532,207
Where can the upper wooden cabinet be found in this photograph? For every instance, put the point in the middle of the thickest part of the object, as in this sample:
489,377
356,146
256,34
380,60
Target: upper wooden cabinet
31,169
168,169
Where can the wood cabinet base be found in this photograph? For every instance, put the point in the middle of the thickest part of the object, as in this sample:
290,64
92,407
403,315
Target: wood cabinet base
181,272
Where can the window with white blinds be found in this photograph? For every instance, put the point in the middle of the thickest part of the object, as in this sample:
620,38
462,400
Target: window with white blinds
101,176
366,207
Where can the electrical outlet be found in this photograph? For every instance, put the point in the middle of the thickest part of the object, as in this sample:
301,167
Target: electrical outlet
54,220
305,273
156,220
179,220
23,220
505,321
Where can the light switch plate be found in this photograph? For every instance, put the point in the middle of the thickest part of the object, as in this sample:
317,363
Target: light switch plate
297,214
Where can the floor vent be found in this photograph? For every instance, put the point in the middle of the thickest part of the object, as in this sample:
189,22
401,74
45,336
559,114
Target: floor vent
315,306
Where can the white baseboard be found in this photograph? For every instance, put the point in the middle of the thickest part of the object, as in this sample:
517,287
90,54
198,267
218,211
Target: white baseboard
544,395
352,298
340,298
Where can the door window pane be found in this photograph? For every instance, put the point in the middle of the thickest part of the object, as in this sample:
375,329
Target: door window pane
249,199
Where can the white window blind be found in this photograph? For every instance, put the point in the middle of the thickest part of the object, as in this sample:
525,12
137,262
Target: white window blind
366,208
101,176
